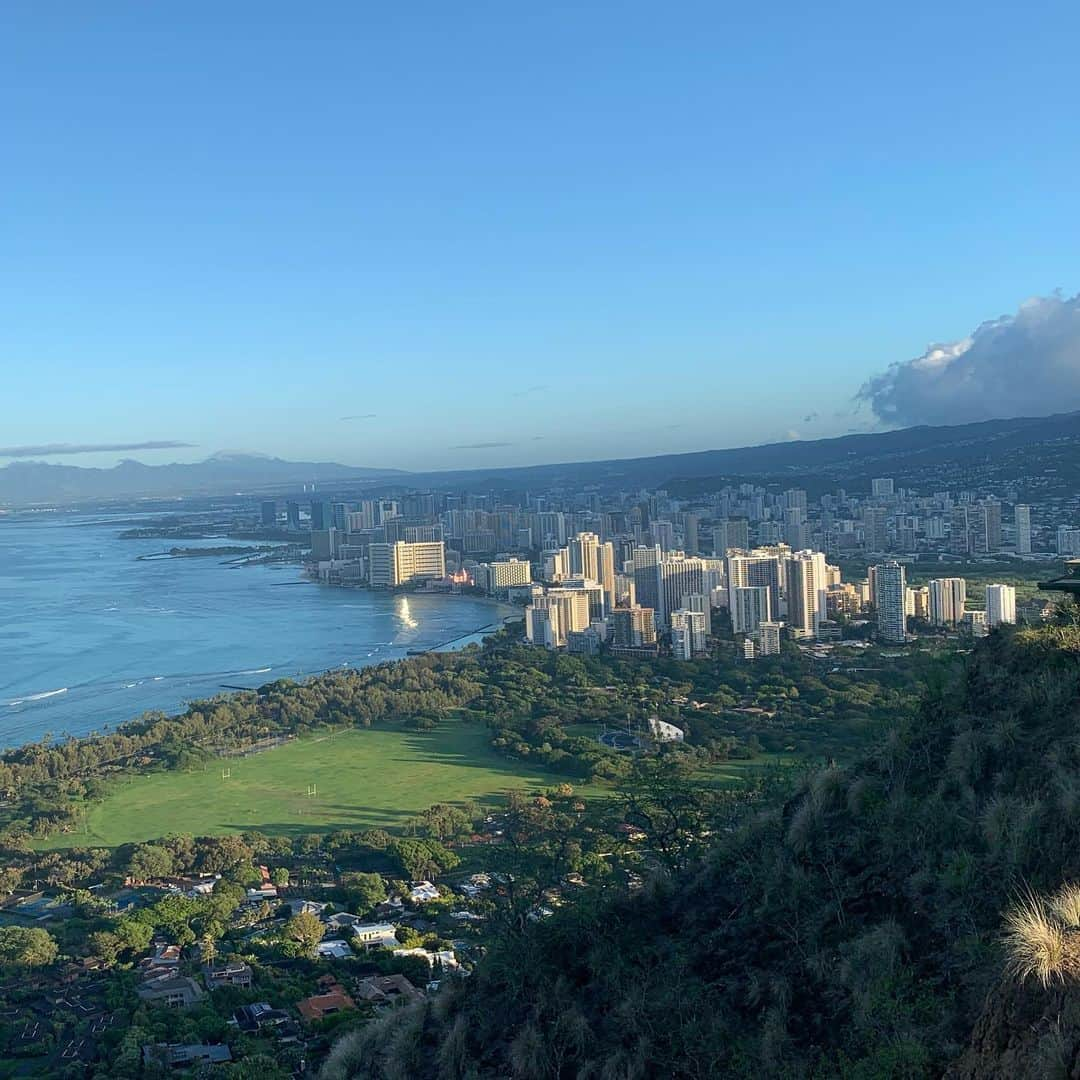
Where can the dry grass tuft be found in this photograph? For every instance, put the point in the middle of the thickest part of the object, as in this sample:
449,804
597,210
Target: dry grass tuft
1066,905
1035,941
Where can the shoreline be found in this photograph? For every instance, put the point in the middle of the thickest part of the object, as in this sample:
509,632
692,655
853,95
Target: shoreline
503,612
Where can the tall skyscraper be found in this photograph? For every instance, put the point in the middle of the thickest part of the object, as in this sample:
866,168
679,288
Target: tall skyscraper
889,600
947,599
1000,605
762,566
292,516
320,515
807,587
699,602
584,556
690,534
988,526
882,487
663,533
646,566
679,576
268,514
750,606
960,532
1022,516
875,528
731,533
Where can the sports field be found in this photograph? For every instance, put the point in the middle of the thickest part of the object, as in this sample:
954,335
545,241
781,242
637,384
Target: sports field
359,778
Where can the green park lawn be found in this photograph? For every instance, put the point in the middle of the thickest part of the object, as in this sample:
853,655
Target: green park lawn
379,777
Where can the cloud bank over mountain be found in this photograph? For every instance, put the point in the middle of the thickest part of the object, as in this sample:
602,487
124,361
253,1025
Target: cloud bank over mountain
63,449
1027,364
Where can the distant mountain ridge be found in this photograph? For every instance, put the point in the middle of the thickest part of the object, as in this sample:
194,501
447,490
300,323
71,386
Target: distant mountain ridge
25,483
1024,445
886,453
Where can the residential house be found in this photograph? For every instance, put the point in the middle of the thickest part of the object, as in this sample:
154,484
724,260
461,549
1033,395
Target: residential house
368,936
185,1055
423,891
332,999
382,990
259,1015
232,973
336,948
171,990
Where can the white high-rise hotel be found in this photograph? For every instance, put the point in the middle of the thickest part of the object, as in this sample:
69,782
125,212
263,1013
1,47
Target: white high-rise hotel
947,599
807,588
1000,605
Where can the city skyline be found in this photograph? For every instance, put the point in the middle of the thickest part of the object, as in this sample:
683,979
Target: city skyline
491,237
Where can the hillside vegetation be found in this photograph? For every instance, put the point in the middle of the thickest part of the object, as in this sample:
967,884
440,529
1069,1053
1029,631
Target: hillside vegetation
854,931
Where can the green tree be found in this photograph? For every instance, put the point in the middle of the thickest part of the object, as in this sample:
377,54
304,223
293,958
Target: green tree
304,932
365,891
150,861
22,946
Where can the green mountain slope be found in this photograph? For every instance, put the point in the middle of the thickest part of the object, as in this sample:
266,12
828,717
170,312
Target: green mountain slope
853,932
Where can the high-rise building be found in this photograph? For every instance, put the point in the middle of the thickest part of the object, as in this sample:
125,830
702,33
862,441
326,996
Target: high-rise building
699,602
1068,540
875,528
1000,605
806,592
731,533
679,576
917,603
320,515
572,606
633,626
947,599
769,639
889,600
751,605
663,533
268,514
1022,517
960,532
691,626
292,516
690,534
324,544
882,487
551,528
646,567
502,575
763,566
987,528
584,552
542,624
400,563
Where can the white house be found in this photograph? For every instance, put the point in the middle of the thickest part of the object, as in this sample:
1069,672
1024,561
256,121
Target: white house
375,936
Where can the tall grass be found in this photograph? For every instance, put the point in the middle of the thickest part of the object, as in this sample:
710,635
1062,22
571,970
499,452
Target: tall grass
1037,942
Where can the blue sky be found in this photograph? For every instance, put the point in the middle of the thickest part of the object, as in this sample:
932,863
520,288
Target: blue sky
501,234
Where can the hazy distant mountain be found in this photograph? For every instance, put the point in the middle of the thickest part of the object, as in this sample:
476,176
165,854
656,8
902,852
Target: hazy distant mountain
32,482
1023,446
967,453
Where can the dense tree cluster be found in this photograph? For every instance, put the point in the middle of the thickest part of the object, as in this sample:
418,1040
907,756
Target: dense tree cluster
851,930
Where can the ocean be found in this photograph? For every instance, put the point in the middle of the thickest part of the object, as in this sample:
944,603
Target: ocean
91,636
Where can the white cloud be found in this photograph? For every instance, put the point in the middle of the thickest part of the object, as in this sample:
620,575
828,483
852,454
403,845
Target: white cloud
1027,364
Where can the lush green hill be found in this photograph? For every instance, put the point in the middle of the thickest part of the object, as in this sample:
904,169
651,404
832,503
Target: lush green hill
852,932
